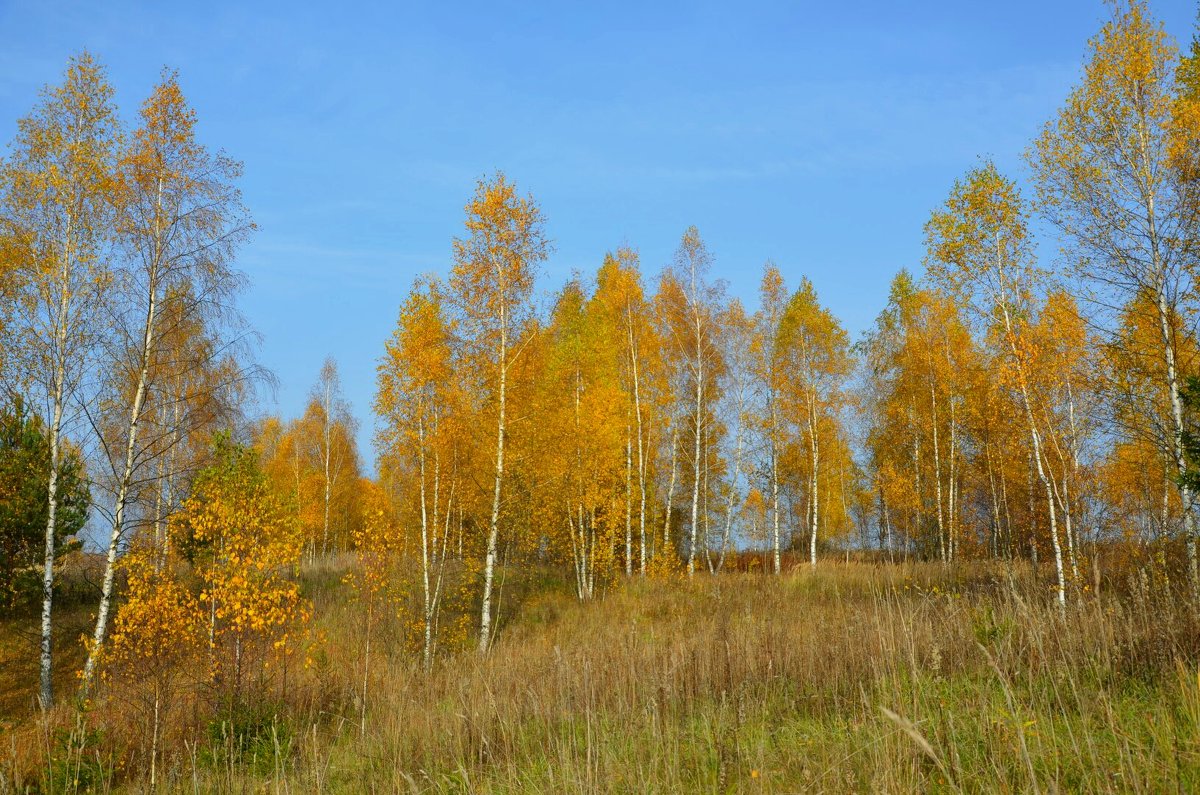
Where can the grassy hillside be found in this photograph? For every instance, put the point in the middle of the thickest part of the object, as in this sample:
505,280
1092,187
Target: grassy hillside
855,678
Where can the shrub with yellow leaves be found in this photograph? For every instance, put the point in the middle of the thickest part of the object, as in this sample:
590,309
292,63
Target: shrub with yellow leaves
245,545
158,635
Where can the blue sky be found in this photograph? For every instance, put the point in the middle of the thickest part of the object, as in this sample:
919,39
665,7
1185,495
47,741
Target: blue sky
816,134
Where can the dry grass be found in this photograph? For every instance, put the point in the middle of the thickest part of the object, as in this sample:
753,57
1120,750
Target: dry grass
856,678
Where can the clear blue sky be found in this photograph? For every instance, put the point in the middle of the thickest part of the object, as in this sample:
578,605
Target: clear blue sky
816,134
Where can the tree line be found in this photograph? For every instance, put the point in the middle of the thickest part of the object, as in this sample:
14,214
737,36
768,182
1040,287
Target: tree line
1003,405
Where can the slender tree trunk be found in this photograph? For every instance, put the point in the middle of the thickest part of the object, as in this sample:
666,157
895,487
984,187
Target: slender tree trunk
1008,534
58,395
670,496
1168,345
1071,475
592,557
628,502
991,475
641,462
886,520
1043,475
1177,454
1033,547
427,593
577,553
160,525
172,473
937,472
154,737
586,542
310,540
696,467
1054,540
698,372
706,536
731,503
816,458
436,524
362,719
123,486
489,566
1069,531
775,486
326,438
46,662
579,527
442,556
952,504
916,462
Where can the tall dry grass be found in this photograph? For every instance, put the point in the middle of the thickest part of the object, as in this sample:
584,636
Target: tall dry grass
858,677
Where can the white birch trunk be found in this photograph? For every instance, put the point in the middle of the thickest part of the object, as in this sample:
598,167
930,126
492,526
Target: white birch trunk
426,591
814,448
489,566
628,502
641,463
58,396
696,464
775,487
670,496
937,472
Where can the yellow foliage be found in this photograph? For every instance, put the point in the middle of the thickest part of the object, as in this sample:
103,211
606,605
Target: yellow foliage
245,545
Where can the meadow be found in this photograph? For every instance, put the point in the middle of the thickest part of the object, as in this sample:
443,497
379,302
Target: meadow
858,677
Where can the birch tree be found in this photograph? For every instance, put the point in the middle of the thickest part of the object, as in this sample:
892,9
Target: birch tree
1115,174
979,246
816,353
416,400
58,189
332,449
690,325
738,399
768,370
491,283
584,438
180,223
621,299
